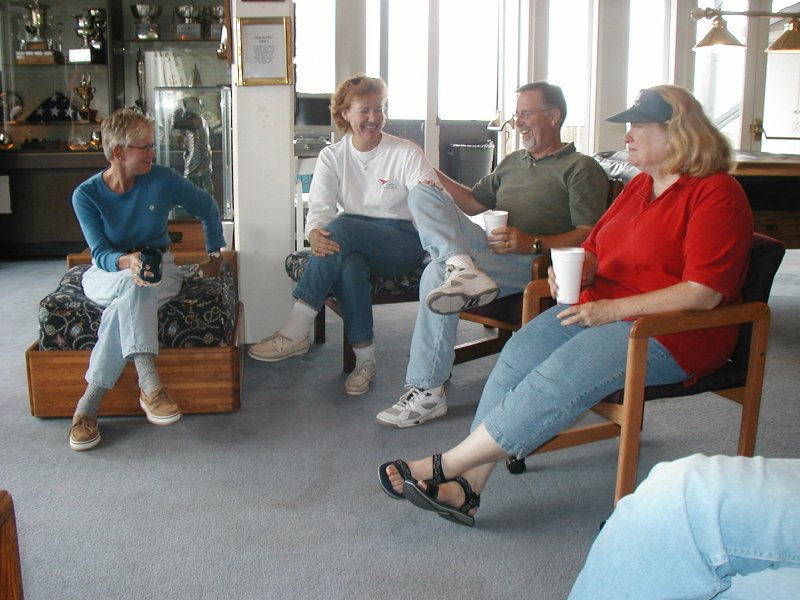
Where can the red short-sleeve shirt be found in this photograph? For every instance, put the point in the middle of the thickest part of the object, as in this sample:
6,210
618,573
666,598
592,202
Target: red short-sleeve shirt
699,230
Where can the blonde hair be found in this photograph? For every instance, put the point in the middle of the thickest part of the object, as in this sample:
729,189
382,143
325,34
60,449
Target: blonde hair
697,148
359,86
122,127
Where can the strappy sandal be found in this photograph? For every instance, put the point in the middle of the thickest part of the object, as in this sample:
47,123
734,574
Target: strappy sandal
427,499
405,472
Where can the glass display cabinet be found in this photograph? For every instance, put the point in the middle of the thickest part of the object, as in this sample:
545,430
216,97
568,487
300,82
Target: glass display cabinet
193,136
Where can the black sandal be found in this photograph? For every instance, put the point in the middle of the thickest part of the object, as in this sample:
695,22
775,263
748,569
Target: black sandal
405,472
427,499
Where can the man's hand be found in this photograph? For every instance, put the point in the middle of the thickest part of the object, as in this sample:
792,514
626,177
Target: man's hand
510,240
210,268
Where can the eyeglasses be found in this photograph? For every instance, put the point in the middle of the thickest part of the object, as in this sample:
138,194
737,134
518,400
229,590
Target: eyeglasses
527,114
147,148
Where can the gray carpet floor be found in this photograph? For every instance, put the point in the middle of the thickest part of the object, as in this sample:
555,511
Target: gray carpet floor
280,500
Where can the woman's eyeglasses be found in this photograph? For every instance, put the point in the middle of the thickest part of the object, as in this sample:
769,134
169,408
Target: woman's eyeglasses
147,148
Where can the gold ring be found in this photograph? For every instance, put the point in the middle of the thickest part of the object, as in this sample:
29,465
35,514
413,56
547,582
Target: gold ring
508,245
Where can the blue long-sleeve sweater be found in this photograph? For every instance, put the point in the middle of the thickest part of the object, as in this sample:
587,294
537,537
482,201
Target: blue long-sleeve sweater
113,223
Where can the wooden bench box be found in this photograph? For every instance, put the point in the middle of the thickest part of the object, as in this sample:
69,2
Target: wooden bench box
201,380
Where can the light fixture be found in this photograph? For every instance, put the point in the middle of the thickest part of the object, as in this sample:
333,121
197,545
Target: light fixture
719,37
497,124
789,40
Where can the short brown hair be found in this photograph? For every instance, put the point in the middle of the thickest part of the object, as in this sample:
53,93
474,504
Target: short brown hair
122,127
359,86
697,147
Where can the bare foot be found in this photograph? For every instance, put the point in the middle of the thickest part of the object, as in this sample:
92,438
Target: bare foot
420,469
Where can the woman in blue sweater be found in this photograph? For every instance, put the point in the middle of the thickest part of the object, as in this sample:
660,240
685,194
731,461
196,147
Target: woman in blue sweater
121,211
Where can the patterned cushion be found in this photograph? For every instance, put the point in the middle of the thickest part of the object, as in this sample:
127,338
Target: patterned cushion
202,314
379,286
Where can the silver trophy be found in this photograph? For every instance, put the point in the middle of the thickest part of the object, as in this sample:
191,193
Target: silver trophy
189,26
216,16
147,27
35,22
98,16
84,27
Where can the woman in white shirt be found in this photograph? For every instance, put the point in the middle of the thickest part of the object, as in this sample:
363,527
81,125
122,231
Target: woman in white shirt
359,226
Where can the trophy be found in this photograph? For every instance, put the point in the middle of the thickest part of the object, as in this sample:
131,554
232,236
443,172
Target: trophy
139,104
189,27
216,16
89,27
37,50
98,16
147,27
85,91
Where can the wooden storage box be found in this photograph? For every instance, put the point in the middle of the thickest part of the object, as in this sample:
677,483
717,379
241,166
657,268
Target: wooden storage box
201,380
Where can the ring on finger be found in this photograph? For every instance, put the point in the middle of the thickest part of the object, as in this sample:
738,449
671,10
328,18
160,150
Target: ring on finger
508,245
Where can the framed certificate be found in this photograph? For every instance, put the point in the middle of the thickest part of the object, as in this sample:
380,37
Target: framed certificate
264,51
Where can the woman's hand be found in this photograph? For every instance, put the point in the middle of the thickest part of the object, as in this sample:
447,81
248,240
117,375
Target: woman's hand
590,314
132,261
587,274
321,244
509,240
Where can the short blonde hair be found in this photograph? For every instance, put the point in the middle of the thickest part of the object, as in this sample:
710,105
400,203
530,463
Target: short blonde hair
697,148
359,86
122,127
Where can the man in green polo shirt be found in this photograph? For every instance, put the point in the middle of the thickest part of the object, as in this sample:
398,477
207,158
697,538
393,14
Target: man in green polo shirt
553,195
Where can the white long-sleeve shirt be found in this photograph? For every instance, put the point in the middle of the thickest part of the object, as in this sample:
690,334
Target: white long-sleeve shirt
373,184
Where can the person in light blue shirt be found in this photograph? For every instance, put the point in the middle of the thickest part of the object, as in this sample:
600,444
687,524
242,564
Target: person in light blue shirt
123,210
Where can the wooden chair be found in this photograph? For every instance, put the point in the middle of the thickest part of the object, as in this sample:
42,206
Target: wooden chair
10,570
504,315
740,379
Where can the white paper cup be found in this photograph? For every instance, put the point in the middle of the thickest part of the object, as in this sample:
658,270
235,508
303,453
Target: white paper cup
568,268
495,219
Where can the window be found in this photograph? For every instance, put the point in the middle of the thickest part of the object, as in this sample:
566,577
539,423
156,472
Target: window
315,57
647,48
468,59
569,61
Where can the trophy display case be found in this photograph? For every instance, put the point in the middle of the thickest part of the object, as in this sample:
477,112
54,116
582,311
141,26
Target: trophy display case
54,75
193,136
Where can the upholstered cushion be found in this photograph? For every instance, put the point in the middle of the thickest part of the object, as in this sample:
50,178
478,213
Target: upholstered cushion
202,314
379,286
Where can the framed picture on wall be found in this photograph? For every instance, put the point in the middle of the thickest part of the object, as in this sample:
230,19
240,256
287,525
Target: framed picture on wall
264,51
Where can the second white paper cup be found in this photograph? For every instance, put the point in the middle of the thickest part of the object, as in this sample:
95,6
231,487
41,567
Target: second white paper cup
568,267
495,219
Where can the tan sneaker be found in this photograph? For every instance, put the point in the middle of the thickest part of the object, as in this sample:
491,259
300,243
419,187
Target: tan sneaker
358,381
84,433
160,408
277,347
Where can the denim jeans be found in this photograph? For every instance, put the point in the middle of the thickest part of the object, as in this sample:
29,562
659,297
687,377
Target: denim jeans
701,527
369,247
129,324
445,231
547,375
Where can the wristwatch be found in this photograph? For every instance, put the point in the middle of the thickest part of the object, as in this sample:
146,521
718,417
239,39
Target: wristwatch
537,246
215,254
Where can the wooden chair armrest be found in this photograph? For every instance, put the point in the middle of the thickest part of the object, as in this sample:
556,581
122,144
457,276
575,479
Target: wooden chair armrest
682,321
535,299
539,267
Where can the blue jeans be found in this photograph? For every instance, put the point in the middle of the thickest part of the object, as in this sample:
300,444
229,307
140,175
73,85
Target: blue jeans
129,324
445,231
701,527
547,375
369,247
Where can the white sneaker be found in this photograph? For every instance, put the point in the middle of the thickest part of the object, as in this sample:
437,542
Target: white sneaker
358,381
277,347
462,288
415,407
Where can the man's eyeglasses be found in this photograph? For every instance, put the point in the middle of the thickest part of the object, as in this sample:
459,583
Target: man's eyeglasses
147,148
527,114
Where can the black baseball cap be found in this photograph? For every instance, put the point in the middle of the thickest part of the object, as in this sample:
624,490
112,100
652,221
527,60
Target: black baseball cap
649,107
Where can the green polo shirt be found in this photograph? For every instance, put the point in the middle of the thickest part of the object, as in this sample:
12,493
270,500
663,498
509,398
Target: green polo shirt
551,195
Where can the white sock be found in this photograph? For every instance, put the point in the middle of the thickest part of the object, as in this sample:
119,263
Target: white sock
299,321
461,261
364,354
